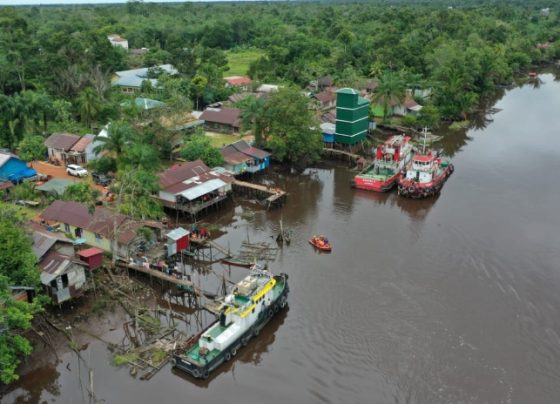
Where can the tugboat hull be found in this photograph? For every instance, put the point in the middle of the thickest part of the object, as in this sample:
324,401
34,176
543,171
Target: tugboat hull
416,190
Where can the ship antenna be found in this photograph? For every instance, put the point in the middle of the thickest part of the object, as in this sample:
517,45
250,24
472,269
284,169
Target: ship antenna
425,132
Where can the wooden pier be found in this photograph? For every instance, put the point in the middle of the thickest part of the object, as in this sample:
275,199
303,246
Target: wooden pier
190,287
274,196
341,155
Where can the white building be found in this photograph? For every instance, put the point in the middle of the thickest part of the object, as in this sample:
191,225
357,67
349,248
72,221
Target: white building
117,40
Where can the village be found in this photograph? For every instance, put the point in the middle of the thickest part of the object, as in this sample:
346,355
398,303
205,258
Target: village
79,241
181,201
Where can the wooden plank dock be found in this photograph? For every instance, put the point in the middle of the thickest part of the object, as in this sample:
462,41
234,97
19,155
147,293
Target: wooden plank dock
341,154
165,277
274,196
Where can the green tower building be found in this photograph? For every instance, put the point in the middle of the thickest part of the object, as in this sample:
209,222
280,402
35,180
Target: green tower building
351,117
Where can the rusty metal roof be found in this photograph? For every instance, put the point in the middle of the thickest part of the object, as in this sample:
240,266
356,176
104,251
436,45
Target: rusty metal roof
226,116
61,141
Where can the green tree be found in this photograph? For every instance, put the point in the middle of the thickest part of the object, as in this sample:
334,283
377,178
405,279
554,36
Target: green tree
391,87
89,106
81,192
292,129
134,190
32,148
198,85
119,138
17,267
252,116
200,147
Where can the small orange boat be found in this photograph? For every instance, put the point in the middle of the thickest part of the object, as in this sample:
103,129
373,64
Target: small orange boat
320,243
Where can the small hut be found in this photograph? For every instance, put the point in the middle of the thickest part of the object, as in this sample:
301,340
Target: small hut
177,241
93,257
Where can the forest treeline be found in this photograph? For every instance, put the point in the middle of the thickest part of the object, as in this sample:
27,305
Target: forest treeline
461,49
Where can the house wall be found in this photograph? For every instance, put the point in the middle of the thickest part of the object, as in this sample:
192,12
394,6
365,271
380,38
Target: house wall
219,127
12,166
236,168
56,154
76,282
103,243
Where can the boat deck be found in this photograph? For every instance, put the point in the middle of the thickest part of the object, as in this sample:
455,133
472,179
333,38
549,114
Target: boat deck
193,355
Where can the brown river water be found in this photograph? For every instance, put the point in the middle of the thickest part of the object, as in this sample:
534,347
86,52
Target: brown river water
448,300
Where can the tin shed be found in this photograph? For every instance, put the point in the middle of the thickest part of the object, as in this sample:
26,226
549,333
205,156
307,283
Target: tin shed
93,257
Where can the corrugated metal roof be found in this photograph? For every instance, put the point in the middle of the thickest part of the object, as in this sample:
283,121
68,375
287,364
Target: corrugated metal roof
227,116
53,265
181,172
61,141
202,189
249,150
56,185
42,244
81,144
233,156
177,234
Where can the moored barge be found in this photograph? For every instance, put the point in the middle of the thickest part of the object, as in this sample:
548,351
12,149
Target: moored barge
244,312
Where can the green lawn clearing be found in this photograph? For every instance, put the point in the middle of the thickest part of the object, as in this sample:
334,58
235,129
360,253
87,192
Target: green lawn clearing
239,61
220,139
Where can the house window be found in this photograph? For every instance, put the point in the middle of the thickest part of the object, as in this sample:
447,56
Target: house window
66,227
98,237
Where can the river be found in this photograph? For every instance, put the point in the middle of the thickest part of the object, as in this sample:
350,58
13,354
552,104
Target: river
447,300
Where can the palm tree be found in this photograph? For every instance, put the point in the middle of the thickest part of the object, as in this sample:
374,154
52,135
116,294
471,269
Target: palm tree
252,117
391,87
118,138
89,105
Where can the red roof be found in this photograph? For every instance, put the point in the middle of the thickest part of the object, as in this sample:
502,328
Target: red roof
238,80
410,103
226,116
181,172
233,156
90,252
81,144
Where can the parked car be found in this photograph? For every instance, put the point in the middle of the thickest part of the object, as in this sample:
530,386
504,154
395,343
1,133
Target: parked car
76,170
101,179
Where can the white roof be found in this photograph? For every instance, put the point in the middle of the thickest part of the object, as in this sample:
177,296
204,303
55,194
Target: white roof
328,128
177,233
4,157
267,88
204,188
416,108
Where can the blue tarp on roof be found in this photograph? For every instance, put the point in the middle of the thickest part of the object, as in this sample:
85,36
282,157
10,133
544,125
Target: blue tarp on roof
22,174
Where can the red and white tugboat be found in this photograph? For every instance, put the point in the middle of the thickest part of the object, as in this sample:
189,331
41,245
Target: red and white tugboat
424,175
390,159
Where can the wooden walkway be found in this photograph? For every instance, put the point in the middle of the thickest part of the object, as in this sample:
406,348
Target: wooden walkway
274,196
341,154
171,279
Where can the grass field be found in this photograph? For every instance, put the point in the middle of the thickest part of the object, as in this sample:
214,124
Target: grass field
220,139
239,61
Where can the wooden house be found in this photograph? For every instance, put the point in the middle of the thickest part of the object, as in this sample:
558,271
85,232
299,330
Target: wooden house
192,187
62,276
66,148
223,120
100,228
